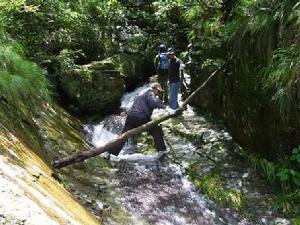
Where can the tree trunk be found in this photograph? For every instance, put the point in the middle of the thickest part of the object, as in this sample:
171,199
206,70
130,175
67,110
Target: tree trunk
79,157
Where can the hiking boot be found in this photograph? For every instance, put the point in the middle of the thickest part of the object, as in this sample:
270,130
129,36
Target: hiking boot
162,153
178,113
114,158
106,155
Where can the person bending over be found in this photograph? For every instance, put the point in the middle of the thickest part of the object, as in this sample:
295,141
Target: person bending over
140,113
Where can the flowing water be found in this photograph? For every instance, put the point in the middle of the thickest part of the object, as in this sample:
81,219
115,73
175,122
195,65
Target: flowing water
158,191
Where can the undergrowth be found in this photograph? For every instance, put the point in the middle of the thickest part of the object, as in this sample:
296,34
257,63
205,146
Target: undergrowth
285,175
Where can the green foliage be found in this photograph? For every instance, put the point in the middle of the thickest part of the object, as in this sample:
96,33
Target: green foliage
288,203
107,20
161,22
54,26
268,169
289,170
5,8
286,174
205,23
282,80
22,83
213,186
297,221
286,171
266,52
258,96
96,28
24,90
48,27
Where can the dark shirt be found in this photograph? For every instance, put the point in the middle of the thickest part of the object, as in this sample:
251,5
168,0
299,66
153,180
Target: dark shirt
173,71
144,104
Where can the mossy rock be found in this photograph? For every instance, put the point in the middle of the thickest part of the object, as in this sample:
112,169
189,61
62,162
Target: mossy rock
98,87
94,88
134,68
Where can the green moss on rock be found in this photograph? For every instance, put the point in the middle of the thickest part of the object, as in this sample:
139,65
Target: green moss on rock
95,87
214,187
133,67
98,87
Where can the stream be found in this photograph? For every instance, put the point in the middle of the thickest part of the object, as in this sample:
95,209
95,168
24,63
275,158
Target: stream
155,190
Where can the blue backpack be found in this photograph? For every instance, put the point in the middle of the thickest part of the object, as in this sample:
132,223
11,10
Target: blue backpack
163,61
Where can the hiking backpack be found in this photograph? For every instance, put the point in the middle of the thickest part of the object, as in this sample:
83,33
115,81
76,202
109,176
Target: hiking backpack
163,61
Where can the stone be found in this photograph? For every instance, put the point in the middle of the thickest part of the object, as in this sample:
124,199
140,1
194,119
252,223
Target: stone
134,68
94,88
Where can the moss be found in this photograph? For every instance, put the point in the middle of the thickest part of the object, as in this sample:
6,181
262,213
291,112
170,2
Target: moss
146,140
19,121
193,137
213,186
297,221
90,181
133,67
93,88
98,87
37,182
61,136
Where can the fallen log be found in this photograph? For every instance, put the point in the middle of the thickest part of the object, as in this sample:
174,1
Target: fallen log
81,156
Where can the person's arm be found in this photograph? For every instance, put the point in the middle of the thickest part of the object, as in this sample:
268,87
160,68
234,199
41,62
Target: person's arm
181,69
154,102
156,61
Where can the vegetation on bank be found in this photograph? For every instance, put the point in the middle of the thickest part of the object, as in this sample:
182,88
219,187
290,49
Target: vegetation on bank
213,186
285,175
22,82
24,89
257,96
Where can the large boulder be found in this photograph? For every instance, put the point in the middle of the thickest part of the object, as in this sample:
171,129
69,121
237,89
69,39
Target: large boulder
98,87
134,67
93,88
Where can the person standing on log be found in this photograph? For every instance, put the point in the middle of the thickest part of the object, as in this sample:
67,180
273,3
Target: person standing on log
174,78
140,113
161,64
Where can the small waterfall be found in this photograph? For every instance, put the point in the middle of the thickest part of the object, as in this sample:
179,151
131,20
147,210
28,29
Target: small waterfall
111,126
128,98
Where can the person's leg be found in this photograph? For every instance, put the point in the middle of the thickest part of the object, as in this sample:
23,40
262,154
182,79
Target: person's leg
163,80
165,88
174,89
177,89
117,149
131,122
158,136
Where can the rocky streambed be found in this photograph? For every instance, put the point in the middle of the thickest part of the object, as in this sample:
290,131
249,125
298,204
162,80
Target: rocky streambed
205,178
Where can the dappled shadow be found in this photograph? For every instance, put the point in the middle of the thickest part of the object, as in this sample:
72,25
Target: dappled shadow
159,194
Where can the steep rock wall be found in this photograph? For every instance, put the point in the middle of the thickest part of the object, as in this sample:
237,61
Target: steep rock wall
253,120
31,194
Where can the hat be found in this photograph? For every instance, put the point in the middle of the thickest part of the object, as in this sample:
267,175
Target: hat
171,51
162,47
157,86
